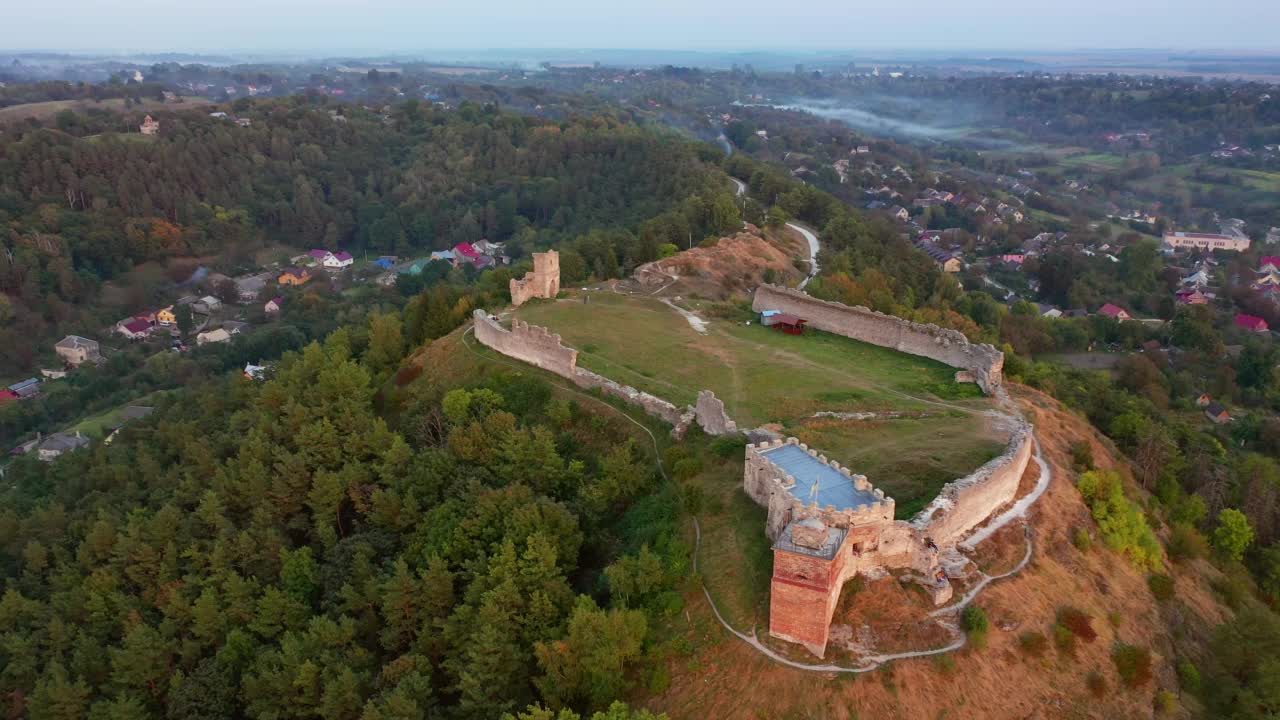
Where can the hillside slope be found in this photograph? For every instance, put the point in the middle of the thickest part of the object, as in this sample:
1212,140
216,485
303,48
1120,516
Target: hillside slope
724,678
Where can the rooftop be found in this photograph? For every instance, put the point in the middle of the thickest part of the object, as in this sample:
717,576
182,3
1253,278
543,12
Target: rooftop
816,481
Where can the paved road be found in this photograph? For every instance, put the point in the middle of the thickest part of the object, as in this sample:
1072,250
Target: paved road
810,237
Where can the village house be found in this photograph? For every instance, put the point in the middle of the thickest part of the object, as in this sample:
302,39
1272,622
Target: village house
273,306
1203,400
900,213
134,328
26,389
58,444
1114,312
1252,323
1191,297
166,316
149,126
295,276
465,253
255,372
945,258
1048,311
213,336
206,304
249,287
338,261
1217,413
76,351
7,396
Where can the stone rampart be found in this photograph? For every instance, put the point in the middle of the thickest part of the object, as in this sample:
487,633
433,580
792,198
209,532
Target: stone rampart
966,503
529,343
541,348
984,362
651,404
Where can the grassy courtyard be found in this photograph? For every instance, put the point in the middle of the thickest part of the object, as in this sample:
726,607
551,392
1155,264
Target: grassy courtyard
767,377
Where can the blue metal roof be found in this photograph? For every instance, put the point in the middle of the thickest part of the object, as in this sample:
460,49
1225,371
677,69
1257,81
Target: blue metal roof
832,487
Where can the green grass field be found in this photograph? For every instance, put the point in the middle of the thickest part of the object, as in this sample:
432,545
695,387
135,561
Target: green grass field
97,425
1093,161
764,376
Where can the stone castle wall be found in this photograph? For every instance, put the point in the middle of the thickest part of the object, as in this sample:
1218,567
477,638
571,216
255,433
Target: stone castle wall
966,503
805,589
541,348
529,343
984,362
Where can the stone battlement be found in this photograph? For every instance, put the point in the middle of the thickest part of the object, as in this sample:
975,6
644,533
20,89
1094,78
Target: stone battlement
983,363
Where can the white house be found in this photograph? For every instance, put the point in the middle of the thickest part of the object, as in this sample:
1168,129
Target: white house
338,261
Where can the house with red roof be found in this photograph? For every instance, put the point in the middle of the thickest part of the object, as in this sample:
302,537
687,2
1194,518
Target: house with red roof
134,328
465,253
7,395
1115,312
1269,263
1252,323
273,306
1192,297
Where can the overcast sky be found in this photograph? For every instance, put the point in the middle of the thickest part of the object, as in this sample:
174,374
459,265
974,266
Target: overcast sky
423,25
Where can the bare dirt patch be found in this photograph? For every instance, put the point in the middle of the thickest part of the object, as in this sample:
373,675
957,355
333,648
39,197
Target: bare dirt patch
732,267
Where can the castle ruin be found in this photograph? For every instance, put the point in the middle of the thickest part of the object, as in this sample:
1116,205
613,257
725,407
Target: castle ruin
543,282
827,525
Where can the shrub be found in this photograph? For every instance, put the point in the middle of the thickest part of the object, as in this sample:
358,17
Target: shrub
1161,586
687,468
945,663
975,623
1082,540
1189,676
1186,543
692,497
1064,639
729,446
1033,643
1078,622
1166,703
674,454
1233,535
1081,456
1096,683
1133,664
1123,525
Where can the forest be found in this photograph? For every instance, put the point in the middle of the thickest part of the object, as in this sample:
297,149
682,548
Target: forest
283,549
98,222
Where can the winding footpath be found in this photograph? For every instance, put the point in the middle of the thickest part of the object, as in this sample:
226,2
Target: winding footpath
809,236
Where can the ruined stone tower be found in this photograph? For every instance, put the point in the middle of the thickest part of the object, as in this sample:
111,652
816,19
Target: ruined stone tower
543,282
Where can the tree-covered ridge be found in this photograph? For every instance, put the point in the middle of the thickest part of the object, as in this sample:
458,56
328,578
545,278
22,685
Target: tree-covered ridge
280,550
80,206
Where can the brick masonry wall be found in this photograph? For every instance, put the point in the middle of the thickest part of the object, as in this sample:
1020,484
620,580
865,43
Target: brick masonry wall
951,347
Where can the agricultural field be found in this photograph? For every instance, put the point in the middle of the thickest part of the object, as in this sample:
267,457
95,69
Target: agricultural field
926,429
46,110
